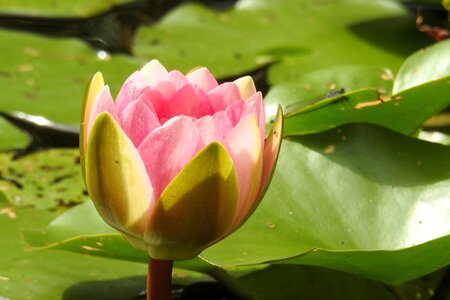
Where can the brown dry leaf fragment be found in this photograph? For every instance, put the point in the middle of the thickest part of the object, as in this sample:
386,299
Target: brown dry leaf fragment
9,212
329,149
387,75
368,104
91,248
331,86
25,68
31,51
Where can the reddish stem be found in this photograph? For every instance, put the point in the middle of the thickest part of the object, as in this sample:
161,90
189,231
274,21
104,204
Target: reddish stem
159,280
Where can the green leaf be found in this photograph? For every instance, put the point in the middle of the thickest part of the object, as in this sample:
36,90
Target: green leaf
92,236
254,33
404,112
39,74
324,83
348,77
428,64
285,282
57,274
382,202
358,198
51,8
11,137
45,180
446,4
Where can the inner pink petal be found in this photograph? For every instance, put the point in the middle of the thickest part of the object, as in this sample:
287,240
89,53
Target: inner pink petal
153,99
130,90
177,78
244,146
103,102
154,71
213,128
190,100
137,120
235,111
203,78
167,150
166,88
255,103
224,95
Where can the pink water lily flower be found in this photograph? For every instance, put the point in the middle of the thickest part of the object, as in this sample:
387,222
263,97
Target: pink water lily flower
177,162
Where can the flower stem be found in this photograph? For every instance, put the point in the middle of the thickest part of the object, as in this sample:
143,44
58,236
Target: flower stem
159,280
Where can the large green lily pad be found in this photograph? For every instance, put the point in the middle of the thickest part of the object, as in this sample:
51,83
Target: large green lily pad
421,90
358,198
371,199
429,64
47,77
94,237
404,112
285,282
47,179
60,274
301,35
55,275
57,8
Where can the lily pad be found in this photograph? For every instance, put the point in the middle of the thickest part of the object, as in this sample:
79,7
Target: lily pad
404,112
47,179
429,64
60,274
446,4
325,83
382,201
371,199
323,33
285,282
11,137
94,237
42,271
47,77
57,8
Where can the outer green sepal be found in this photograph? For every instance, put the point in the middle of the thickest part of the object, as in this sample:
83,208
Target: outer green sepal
93,88
196,208
272,146
116,178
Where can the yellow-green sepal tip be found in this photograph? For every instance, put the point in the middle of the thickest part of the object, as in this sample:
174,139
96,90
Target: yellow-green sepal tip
196,208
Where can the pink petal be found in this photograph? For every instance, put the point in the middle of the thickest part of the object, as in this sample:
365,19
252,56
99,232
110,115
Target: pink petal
235,111
175,81
244,146
153,99
155,72
203,78
190,100
167,150
224,95
246,87
213,128
103,102
166,88
177,78
137,120
255,103
130,90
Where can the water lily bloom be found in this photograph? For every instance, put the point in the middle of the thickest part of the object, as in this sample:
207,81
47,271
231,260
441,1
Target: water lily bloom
176,162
